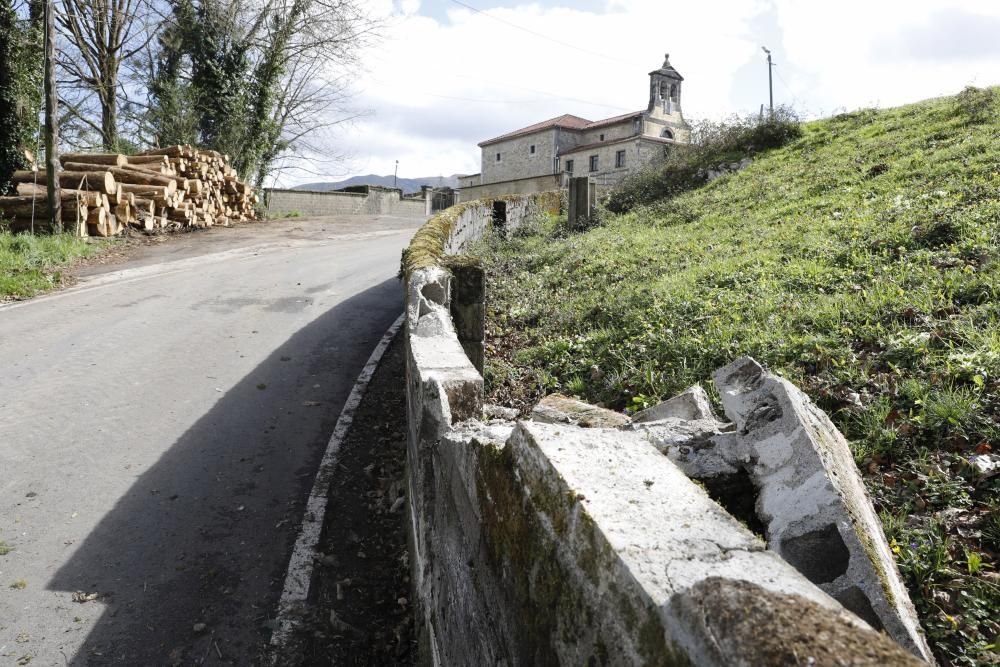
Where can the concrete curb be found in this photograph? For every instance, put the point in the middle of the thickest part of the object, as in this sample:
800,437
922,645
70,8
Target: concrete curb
301,565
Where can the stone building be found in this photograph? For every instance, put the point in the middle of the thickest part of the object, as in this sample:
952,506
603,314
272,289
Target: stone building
542,156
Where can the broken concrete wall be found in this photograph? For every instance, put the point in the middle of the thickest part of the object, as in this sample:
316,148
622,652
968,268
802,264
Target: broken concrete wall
784,469
444,386
545,544
812,499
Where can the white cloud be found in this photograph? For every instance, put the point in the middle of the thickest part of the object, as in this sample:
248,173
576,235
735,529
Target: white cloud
439,86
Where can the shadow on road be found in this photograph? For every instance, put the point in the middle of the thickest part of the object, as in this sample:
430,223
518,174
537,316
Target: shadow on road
190,562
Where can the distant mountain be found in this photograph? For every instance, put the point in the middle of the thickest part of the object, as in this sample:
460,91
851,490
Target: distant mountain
406,184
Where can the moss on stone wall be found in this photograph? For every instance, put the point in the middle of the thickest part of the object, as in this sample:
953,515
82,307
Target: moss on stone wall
428,245
548,594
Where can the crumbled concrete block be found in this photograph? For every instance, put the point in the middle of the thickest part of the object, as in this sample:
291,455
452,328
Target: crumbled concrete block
811,499
781,629
426,289
596,549
692,445
499,412
559,409
692,404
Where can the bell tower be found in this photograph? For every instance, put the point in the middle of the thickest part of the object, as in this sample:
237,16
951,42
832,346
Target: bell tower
665,91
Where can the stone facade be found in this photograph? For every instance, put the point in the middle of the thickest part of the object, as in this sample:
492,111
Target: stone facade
606,149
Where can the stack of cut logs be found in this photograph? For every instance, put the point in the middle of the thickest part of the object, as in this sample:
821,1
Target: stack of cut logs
163,188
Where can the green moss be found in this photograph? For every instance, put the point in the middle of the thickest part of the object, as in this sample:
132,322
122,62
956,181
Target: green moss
548,596
427,247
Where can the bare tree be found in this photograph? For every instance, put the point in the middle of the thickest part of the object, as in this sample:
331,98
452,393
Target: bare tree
99,37
263,77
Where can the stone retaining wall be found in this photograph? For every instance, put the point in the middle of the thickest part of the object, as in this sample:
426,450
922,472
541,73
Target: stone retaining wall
367,200
543,542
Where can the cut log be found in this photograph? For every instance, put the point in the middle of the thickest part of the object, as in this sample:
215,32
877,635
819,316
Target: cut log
136,160
147,191
99,181
38,191
22,207
113,159
172,151
137,176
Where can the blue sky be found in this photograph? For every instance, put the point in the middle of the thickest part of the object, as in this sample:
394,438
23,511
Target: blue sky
444,77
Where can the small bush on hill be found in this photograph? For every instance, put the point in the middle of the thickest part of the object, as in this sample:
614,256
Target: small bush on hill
712,144
977,105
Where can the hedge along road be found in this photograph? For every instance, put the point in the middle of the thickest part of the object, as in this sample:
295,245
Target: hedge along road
160,427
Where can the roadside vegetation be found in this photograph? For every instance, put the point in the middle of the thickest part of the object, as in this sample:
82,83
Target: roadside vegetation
30,264
858,257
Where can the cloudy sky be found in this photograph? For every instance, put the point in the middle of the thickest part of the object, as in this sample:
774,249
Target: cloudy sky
449,74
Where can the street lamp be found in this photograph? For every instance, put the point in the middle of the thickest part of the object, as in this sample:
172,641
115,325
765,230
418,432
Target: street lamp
770,84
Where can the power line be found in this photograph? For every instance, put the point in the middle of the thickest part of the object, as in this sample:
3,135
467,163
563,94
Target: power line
541,35
795,98
501,101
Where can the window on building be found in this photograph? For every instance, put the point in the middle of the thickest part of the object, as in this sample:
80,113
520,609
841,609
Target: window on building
667,134
498,157
620,159
673,92
569,166
602,137
593,163
531,149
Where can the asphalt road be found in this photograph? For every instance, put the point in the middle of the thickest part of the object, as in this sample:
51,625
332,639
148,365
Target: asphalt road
160,426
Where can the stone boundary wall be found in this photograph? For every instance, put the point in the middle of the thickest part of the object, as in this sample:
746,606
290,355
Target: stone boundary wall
541,543
371,200
524,186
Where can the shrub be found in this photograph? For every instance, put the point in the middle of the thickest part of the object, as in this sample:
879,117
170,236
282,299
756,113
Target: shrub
712,144
976,105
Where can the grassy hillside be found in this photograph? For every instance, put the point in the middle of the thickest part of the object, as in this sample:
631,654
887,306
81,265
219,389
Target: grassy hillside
861,262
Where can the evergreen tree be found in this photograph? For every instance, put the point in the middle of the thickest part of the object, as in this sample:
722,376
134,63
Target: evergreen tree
20,86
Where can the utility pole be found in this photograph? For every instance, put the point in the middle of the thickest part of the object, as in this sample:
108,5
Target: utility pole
396,171
770,82
52,121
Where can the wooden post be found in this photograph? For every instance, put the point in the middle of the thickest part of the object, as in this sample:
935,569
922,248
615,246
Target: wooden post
52,121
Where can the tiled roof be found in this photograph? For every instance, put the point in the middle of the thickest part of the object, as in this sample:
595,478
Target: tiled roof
566,120
613,120
668,70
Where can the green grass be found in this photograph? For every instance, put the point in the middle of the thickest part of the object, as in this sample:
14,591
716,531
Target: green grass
861,262
31,264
